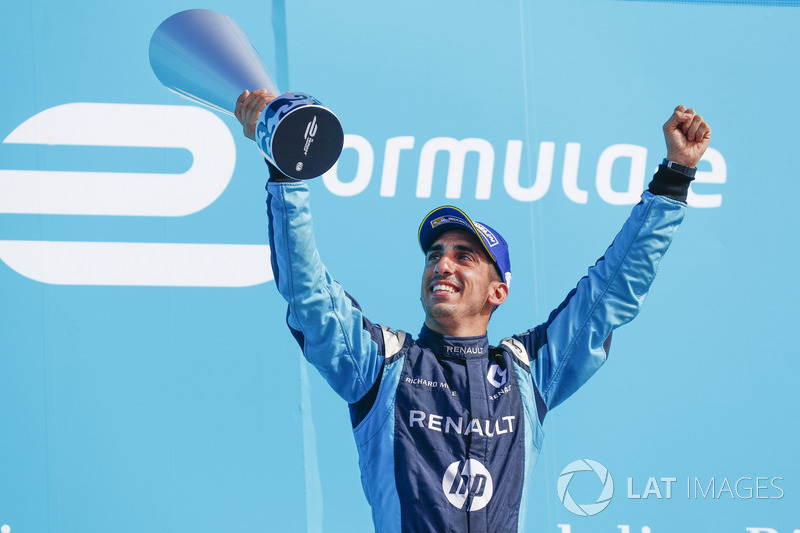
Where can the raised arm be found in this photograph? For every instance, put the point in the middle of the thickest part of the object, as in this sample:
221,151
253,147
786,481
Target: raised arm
336,338
573,343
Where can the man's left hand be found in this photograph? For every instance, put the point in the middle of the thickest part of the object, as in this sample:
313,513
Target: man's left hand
687,136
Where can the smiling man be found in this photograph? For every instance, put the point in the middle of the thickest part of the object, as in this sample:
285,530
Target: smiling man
462,284
449,427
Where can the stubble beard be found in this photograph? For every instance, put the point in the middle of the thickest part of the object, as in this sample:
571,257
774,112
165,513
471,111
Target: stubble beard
439,310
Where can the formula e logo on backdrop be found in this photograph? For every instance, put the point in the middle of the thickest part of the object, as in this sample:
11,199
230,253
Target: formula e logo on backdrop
587,509
468,481
514,182
43,192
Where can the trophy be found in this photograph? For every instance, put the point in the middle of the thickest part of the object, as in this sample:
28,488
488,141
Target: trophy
204,56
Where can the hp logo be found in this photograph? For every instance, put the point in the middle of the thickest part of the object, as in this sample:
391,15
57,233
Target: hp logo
588,509
468,481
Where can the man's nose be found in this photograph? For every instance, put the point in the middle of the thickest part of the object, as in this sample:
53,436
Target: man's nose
444,266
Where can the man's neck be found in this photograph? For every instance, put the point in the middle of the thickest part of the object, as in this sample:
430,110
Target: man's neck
457,328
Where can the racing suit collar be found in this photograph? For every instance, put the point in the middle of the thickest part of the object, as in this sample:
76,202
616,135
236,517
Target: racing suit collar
456,347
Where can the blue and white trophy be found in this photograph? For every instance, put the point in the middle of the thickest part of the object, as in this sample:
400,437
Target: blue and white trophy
206,57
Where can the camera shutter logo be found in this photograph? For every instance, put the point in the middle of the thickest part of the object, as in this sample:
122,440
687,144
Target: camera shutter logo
468,482
587,509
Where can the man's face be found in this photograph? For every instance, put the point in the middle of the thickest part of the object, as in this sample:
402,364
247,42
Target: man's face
458,281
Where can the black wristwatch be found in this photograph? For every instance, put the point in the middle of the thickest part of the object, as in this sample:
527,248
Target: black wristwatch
688,171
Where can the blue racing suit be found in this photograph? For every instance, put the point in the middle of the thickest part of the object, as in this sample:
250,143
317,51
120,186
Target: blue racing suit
448,429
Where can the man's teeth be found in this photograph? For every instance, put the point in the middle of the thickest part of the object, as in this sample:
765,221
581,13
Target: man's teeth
446,288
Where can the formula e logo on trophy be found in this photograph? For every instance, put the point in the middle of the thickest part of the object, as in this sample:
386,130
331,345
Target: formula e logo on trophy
311,130
587,509
468,482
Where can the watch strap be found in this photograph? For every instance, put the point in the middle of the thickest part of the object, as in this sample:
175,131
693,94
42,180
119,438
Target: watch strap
672,165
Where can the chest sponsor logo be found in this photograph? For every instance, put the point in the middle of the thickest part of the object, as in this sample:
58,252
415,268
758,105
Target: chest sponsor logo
468,484
422,382
460,425
497,376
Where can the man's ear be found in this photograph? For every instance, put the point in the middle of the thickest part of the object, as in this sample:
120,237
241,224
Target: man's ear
498,293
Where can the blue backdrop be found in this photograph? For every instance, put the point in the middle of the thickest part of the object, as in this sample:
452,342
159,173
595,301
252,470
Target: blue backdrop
147,379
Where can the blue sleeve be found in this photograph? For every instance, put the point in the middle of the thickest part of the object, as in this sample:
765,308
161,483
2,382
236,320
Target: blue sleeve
328,324
573,343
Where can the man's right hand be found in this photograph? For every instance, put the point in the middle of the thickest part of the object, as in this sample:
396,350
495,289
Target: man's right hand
249,106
